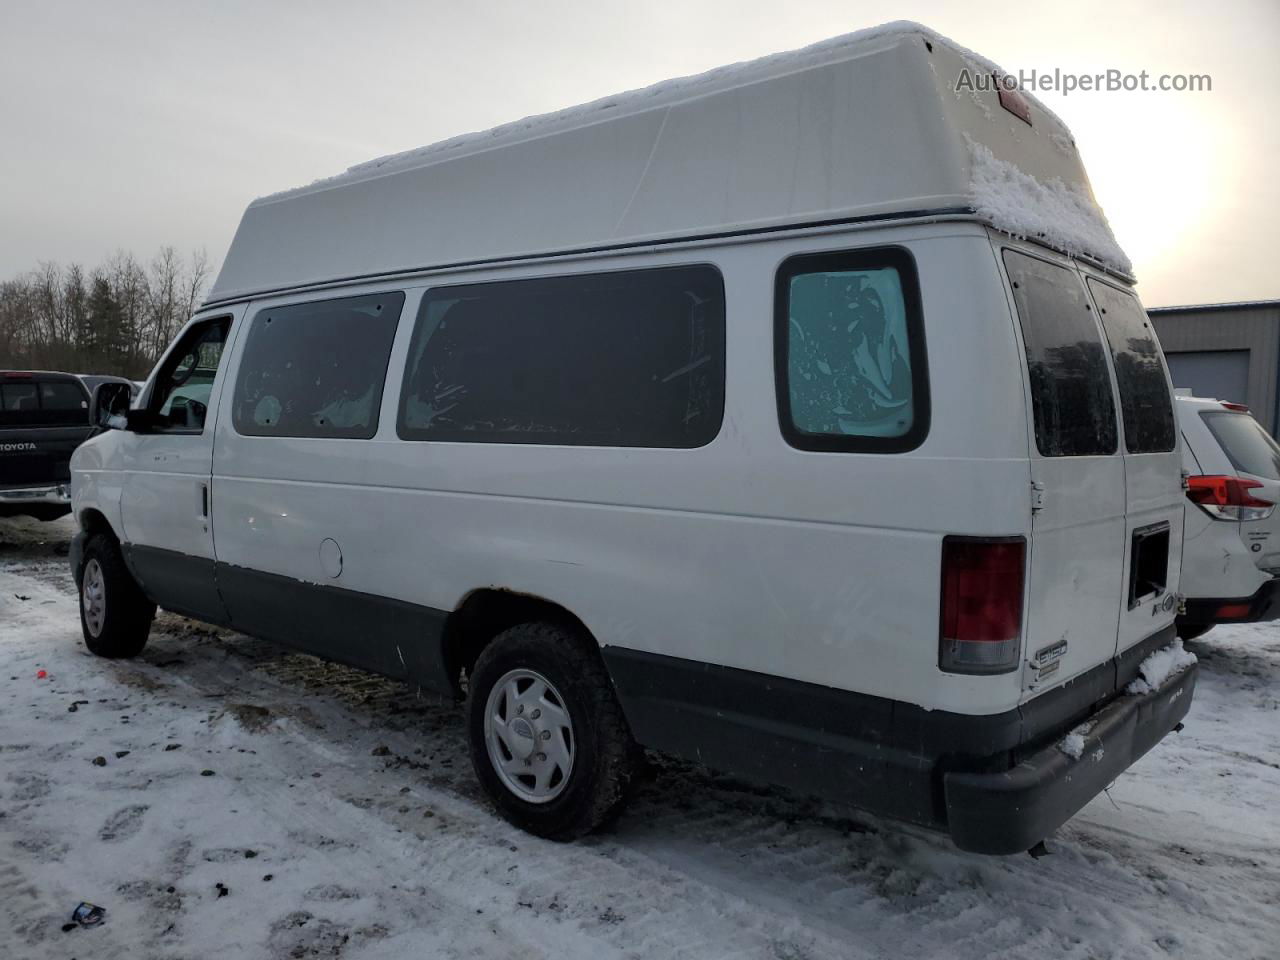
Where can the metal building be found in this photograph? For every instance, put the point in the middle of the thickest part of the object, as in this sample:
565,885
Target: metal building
1230,351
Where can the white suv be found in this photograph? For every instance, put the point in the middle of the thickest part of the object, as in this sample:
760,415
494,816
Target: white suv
1231,556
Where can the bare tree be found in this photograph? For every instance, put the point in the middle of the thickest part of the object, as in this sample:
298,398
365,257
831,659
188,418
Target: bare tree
117,319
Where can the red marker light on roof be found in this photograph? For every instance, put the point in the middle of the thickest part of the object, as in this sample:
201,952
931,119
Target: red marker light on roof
1237,407
1013,101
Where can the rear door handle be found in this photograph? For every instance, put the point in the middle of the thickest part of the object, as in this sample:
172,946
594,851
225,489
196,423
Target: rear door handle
204,500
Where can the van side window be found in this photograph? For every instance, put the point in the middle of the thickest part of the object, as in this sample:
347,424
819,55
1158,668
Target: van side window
180,400
1071,398
850,352
1145,404
629,359
316,369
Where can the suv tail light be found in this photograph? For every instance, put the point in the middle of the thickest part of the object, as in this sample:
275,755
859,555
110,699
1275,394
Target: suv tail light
982,580
1228,498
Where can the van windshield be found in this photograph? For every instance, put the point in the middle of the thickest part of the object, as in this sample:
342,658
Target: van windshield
1250,449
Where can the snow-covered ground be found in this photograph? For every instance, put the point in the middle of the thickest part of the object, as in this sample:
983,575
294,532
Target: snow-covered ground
341,817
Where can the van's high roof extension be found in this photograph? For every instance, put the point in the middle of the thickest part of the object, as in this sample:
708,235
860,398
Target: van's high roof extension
872,125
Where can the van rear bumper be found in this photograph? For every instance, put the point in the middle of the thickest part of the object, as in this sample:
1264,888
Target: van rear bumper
996,782
1012,811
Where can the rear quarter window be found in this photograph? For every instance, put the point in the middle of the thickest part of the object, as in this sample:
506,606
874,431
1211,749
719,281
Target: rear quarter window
1071,398
849,349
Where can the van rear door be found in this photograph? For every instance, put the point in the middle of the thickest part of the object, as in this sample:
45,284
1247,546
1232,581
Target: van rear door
1154,499
1077,550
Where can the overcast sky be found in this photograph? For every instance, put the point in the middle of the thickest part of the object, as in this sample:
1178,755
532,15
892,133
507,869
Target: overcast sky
136,124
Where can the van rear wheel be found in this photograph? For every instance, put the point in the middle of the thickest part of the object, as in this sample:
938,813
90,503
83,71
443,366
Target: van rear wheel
115,616
549,742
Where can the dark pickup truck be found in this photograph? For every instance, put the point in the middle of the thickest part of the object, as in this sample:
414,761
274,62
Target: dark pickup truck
43,418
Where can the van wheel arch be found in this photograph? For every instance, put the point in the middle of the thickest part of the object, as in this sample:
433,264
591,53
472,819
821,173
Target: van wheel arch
486,612
93,521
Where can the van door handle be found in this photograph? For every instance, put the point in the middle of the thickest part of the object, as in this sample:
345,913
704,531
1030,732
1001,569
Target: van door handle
204,500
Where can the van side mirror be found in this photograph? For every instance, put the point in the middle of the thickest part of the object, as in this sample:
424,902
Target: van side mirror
110,407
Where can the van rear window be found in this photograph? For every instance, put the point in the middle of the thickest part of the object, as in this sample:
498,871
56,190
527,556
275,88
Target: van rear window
1071,397
1145,404
628,358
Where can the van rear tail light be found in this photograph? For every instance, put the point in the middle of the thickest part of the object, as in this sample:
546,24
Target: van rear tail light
1228,498
1237,407
982,580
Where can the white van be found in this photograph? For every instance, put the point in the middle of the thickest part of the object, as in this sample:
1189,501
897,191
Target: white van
1230,564
725,418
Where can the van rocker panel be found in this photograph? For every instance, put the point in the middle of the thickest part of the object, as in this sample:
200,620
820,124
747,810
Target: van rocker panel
177,581
391,637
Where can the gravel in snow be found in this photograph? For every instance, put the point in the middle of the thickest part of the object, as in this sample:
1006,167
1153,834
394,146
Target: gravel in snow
309,840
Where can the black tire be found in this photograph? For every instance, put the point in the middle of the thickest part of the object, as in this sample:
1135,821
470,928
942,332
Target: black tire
125,622
604,754
1189,631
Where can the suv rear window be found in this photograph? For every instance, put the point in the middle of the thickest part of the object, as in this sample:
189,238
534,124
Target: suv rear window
1071,399
1145,404
43,403
1250,449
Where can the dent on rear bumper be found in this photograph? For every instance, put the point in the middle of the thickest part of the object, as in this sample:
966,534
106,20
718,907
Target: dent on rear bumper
1011,811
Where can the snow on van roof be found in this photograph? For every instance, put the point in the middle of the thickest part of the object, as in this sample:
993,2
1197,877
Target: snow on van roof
1057,213
870,124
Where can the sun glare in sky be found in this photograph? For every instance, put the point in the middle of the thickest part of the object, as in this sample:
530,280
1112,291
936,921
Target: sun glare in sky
1157,208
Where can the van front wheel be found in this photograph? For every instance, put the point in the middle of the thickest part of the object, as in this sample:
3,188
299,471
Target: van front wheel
549,742
115,616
